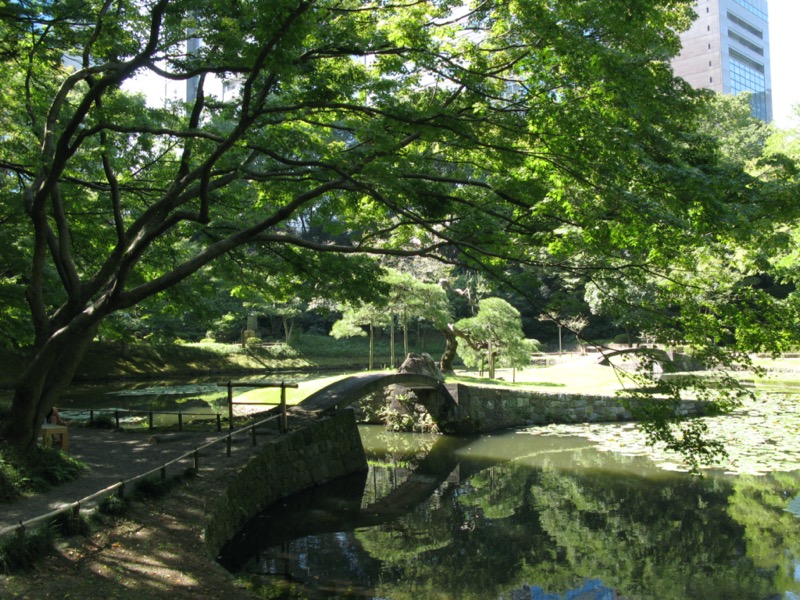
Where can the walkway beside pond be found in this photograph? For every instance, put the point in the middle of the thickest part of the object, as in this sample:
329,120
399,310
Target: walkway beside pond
113,456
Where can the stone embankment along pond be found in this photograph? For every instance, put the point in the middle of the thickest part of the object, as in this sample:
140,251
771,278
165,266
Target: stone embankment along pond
481,409
324,449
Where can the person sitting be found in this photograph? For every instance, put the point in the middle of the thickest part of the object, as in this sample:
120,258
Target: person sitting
54,418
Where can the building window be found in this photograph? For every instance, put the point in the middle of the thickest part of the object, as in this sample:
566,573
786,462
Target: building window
748,76
737,37
746,60
752,8
745,25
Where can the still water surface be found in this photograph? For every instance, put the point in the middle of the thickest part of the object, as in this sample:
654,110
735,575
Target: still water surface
199,399
516,516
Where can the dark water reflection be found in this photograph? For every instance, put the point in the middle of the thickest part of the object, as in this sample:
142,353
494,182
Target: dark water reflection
521,516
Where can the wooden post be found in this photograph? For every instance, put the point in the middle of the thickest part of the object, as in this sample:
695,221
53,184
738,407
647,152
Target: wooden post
284,424
180,421
150,420
91,418
219,422
228,444
197,460
230,409
116,419
253,433
163,472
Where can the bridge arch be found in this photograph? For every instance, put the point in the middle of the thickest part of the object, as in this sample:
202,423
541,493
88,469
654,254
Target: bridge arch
430,391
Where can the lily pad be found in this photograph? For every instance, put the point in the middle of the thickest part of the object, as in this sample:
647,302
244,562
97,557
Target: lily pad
760,437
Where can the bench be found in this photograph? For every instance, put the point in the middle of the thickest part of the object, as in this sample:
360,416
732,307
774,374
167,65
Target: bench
48,431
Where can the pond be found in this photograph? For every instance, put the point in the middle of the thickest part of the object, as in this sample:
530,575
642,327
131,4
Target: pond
197,398
535,514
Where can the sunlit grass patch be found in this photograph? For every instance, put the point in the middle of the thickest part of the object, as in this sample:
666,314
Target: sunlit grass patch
575,375
272,395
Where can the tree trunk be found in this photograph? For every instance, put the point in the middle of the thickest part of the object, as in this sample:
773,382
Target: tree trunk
371,345
391,343
37,390
405,337
288,328
450,348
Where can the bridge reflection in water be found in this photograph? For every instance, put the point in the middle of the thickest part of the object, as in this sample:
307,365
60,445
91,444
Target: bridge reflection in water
343,501
524,516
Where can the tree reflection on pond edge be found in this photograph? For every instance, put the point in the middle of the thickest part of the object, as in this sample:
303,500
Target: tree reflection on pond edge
511,516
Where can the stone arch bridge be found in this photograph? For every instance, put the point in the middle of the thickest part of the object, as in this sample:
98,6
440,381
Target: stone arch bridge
432,393
463,409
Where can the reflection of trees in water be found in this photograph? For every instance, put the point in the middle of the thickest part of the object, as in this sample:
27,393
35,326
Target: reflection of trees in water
648,539
488,529
510,525
772,533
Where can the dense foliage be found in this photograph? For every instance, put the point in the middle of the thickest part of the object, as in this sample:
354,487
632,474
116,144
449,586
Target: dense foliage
515,138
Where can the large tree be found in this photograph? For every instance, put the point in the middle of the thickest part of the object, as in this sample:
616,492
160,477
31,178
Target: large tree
476,133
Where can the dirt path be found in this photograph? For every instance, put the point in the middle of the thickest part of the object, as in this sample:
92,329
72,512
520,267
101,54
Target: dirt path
156,550
111,456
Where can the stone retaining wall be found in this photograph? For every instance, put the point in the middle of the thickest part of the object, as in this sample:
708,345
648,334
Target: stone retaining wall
325,449
484,409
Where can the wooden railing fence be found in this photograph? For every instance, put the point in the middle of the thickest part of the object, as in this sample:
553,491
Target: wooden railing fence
118,412
234,384
119,488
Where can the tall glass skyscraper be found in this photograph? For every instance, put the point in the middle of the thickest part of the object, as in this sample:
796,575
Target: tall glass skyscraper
727,50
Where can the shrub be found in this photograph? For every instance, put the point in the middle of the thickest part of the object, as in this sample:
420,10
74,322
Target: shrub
68,524
155,487
21,553
275,350
405,414
34,471
150,488
12,481
113,506
103,421
207,345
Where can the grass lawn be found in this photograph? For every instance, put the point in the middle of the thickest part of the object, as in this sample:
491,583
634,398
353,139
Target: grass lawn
573,374
579,375
270,396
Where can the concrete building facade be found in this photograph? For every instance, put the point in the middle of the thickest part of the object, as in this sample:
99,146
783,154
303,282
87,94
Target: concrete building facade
727,50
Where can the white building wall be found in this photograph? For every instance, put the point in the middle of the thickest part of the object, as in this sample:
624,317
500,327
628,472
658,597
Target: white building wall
727,50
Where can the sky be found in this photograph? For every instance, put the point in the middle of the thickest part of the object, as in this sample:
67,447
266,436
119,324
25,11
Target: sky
784,48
